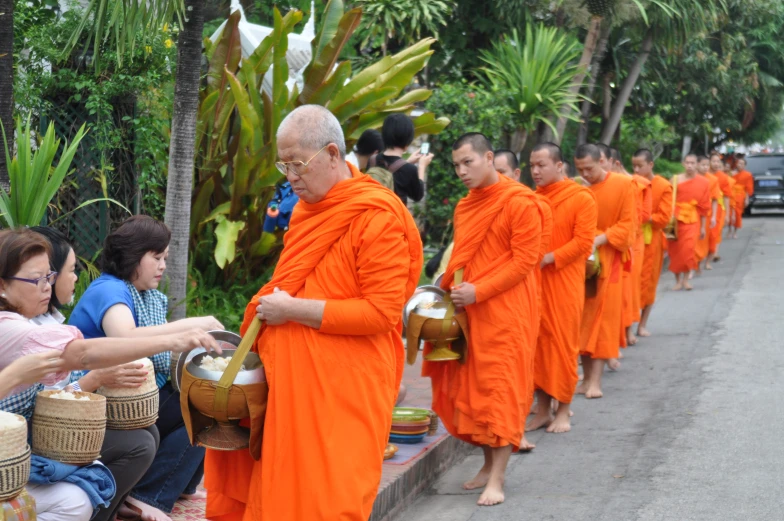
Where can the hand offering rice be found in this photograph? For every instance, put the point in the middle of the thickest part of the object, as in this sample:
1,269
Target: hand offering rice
216,364
65,395
9,421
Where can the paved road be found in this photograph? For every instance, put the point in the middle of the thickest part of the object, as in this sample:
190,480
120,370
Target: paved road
690,428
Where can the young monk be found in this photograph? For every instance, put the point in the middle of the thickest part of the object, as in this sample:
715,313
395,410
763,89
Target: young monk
506,163
726,184
632,278
563,287
498,231
702,249
330,340
653,254
602,314
692,206
744,189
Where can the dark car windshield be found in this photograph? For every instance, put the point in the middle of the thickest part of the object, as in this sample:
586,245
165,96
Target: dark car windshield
762,165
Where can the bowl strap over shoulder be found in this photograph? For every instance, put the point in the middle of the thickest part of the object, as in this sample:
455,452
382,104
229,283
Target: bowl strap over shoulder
221,404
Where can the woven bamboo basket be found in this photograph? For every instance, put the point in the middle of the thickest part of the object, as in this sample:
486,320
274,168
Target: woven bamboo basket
14,459
137,408
69,431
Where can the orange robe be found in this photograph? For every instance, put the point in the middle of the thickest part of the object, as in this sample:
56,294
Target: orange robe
693,200
725,186
632,275
661,195
332,389
484,400
563,288
744,187
703,246
602,314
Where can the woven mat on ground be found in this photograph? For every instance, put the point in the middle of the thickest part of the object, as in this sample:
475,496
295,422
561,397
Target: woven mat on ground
189,510
407,452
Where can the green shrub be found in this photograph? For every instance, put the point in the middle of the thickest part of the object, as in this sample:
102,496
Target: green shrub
667,168
471,109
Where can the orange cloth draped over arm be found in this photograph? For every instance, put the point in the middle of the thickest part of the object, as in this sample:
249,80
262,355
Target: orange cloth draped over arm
693,202
661,195
332,389
744,188
563,288
497,242
602,315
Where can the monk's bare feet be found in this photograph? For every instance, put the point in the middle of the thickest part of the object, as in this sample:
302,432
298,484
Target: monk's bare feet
148,513
525,445
537,422
560,425
642,332
492,495
717,258
196,496
613,364
687,286
678,286
479,481
630,338
735,235
593,392
581,388
709,266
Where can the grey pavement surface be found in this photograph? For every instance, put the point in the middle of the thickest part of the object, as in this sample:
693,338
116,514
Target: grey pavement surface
690,428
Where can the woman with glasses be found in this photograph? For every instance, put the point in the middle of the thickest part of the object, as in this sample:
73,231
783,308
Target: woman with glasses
26,280
124,302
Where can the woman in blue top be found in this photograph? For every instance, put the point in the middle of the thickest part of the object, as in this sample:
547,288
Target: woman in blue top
125,302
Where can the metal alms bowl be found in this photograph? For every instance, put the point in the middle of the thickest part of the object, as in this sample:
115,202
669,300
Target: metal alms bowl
422,295
253,373
432,329
226,340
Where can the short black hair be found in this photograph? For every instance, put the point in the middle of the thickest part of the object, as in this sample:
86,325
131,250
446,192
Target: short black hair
556,154
369,143
645,153
124,248
716,154
615,155
511,158
699,158
604,149
397,131
61,247
477,140
588,150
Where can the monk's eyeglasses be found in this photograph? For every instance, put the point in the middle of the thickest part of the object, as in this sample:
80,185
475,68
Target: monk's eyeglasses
283,166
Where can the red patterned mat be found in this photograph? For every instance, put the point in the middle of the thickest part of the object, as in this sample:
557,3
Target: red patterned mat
189,511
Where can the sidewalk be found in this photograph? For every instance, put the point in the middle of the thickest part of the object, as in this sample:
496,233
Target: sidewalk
400,484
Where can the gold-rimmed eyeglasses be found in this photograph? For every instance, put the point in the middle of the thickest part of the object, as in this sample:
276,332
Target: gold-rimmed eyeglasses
283,166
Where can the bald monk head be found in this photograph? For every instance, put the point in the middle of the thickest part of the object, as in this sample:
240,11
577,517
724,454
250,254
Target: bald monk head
703,165
616,162
472,157
312,152
506,163
547,164
716,163
642,161
690,165
740,164
587,163
604,159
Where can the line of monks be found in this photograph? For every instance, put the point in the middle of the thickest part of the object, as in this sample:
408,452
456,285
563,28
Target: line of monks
331,336
562,273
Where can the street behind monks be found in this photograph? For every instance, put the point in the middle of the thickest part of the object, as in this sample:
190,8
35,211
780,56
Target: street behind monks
689,428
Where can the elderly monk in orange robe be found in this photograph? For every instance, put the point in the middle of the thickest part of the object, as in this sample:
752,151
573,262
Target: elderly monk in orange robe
702,250
725,186
506,163
744,189
330,341
563,287
653,255
614,235
692,206
498,230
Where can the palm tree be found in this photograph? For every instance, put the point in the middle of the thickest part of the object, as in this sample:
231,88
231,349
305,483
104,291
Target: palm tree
6,78
179,189
537,75
403,20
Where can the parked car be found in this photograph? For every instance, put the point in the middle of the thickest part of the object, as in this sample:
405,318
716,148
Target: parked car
768,172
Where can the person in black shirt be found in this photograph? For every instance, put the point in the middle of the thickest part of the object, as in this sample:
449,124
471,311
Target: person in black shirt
368,145
398,133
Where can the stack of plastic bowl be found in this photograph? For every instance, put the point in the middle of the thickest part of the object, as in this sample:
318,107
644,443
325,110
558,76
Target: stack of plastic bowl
409,425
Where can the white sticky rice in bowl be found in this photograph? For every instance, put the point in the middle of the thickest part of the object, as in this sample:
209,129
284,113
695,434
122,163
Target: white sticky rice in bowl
9,421
216,364
65,395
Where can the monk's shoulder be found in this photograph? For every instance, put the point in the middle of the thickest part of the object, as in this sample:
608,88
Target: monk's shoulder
620,183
